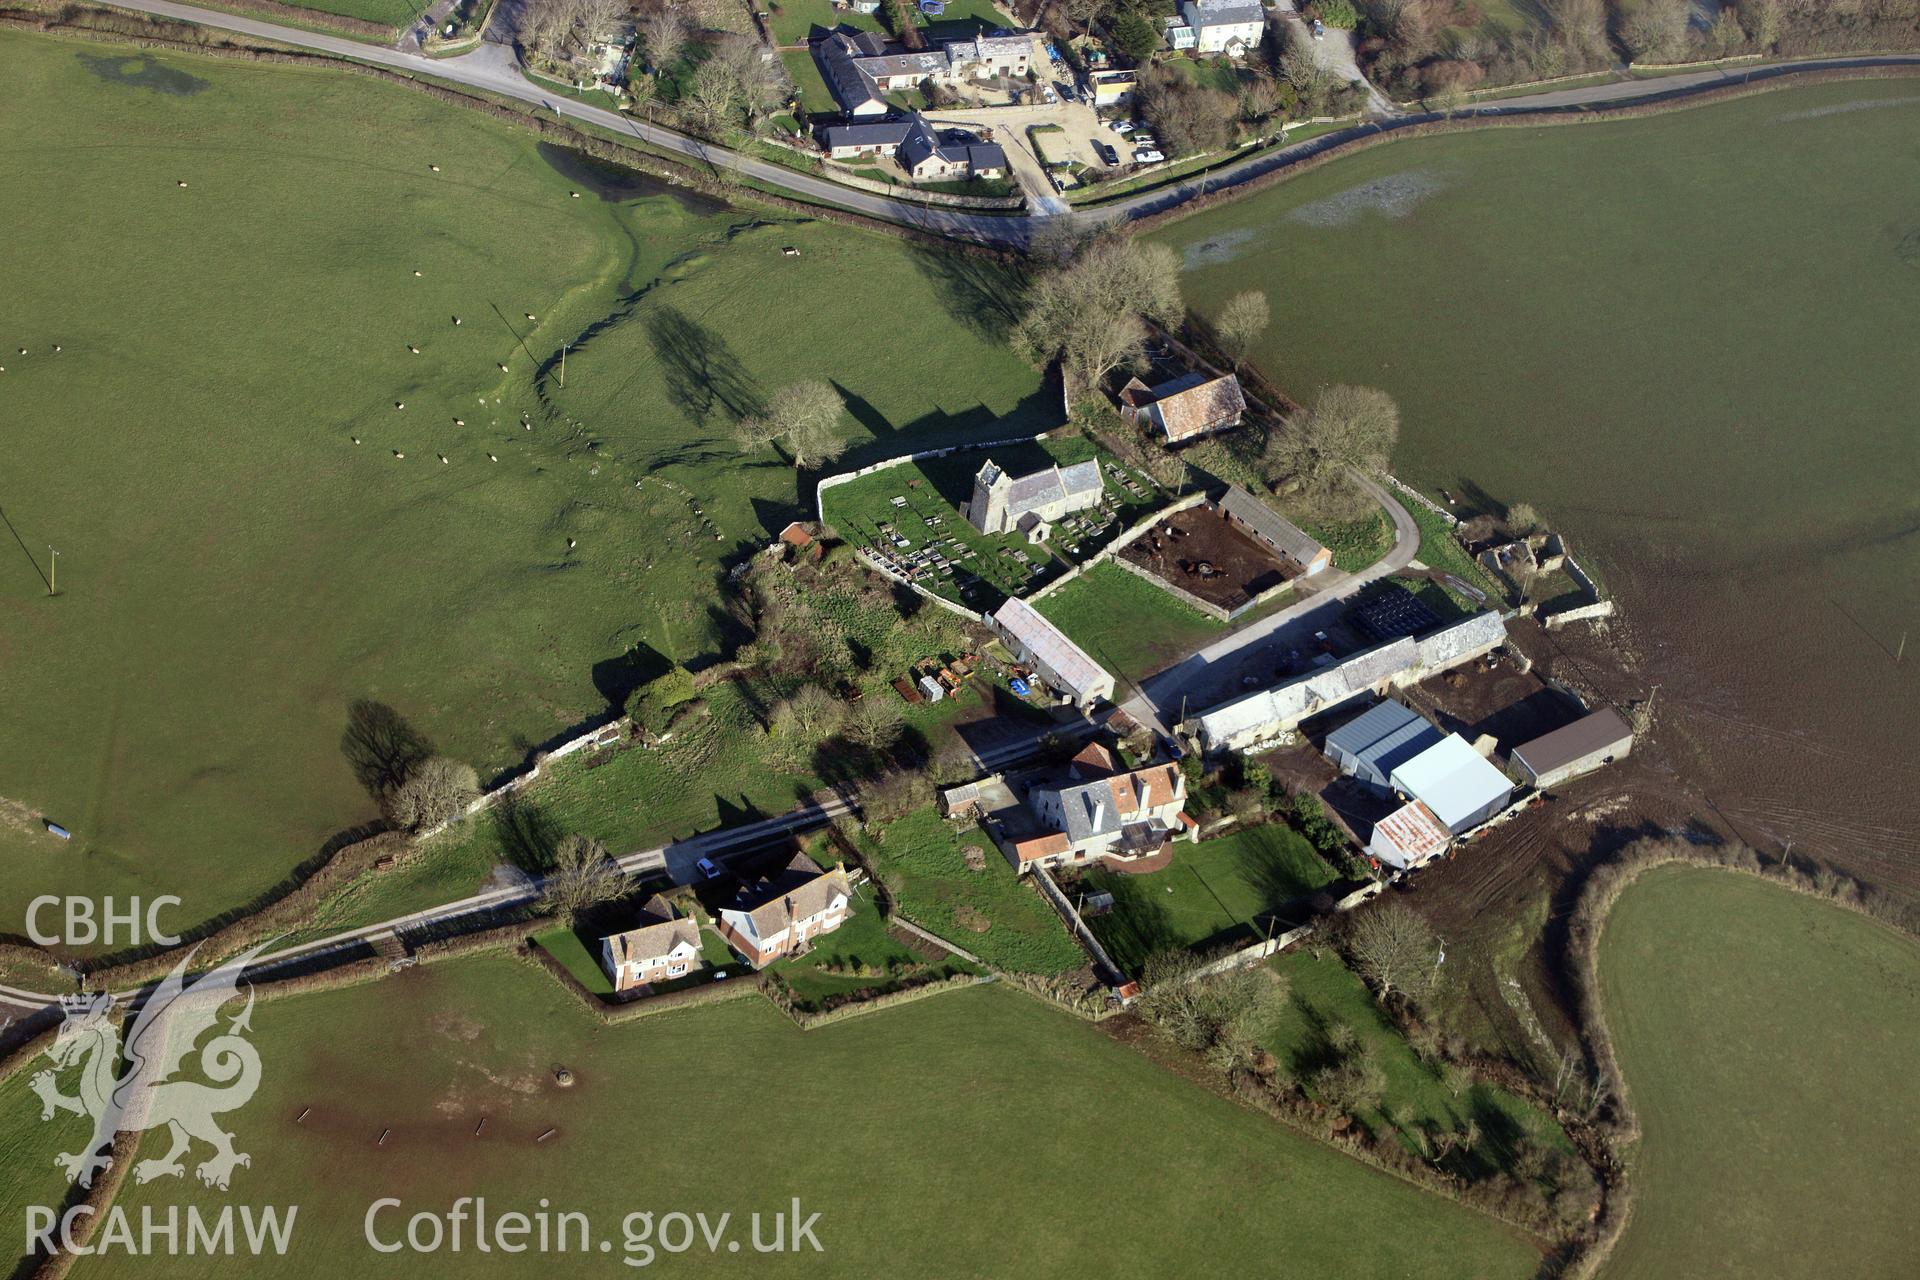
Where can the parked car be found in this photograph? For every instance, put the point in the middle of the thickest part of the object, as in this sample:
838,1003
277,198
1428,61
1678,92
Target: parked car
1107,153
1147,155
1048,95
1121,126
708,868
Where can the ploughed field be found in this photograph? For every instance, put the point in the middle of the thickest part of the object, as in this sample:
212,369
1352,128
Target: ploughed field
235,262
914,1127
1765,1039
1688,339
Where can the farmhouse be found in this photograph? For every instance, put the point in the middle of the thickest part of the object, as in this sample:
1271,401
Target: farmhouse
1060,662
861,68
1578,748
1455,782
1369,747
1265,525
1000,501
1269,714
665,945
1124,819
1186,408
1408,837
780,914
1225,26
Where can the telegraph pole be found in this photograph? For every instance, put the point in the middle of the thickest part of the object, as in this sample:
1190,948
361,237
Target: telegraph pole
53,571
563,366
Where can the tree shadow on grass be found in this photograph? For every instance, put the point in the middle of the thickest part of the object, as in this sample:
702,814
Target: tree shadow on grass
381,747
983,293
703,374
527,833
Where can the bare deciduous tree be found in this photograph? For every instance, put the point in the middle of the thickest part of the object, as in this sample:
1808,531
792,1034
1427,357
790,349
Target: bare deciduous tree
1317,452
665,32
582,877
810,714
804,414
436,790
1394,949
1090,313
1241,322
876,724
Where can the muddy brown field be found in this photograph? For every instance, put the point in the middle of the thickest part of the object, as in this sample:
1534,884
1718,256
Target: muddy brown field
1199,552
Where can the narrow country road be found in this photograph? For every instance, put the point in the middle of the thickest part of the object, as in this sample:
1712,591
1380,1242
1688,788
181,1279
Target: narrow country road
494,68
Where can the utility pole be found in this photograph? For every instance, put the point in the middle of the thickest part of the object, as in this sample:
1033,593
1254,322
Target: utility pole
563,366
53,571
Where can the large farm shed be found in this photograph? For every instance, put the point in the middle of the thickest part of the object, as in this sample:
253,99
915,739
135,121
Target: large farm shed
1455,782
1060,661
1379,740
1578,748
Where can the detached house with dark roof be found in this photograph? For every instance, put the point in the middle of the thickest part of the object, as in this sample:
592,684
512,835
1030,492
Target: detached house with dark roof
781,914
665,945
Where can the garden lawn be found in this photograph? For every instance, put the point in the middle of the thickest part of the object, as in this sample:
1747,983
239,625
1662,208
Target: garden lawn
1219,893
795,21
922,861
1766,1040
930,1103
235,571
566,946
874,961
1325,992
1130,626
815,97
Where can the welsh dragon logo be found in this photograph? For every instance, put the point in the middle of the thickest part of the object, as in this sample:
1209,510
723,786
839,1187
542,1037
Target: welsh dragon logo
165,1031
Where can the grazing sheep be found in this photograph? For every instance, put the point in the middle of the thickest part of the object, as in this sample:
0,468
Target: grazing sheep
569,544
491,458
443,459
23,351
56,346
434,167
399,404
416,273
503,368
574,194
459,422
355,439
398,454
532,316
183,184
527,425
456,319
413,348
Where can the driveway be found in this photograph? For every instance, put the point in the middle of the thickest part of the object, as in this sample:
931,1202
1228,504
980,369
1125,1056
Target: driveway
1079,128
1334,52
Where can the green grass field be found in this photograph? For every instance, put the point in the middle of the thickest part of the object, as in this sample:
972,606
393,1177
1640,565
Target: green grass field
234,571
923,863
1219,893
935,1119
27,1148
1684,338
1765,1039
1129,625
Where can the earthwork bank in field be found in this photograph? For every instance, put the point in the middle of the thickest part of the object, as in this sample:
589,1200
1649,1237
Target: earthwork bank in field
305,442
